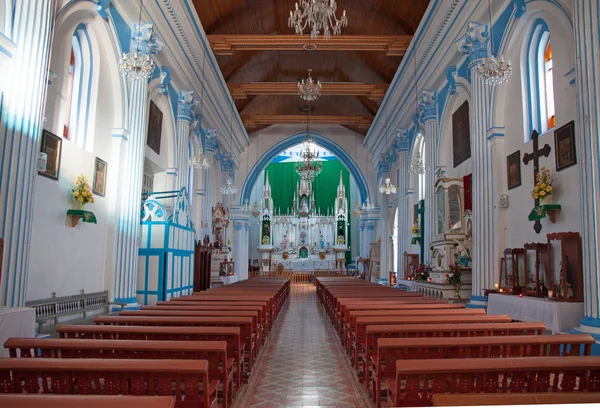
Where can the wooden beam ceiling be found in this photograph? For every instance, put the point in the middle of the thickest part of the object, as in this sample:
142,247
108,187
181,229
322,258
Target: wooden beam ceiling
372,91
360,122
227,44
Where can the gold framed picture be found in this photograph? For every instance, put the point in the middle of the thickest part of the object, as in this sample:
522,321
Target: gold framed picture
100,170
52,146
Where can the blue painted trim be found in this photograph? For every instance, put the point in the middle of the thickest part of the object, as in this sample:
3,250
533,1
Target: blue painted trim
591,322
126,300
293,140
479,298
472,306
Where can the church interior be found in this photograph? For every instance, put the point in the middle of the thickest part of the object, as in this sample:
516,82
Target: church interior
287,203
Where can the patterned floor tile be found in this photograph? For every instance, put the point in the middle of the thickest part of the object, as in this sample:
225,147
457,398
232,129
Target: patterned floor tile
303,364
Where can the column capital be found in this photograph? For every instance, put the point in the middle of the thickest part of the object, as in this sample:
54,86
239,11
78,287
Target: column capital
247,226
165,80
474,43
371,225
238,225
148,42
187,104
427,105
361,225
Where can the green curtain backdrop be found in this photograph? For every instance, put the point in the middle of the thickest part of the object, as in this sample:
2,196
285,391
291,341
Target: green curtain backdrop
283,179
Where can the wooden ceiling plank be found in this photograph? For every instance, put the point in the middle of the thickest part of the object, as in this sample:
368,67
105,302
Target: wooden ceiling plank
361,122
227,44
372,91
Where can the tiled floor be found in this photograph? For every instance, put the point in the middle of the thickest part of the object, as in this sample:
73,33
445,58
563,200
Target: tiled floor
303,363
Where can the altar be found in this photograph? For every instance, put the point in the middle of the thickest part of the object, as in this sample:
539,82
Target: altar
307,265
559,317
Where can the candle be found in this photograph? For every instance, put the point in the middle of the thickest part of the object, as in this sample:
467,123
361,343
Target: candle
496,286
500,290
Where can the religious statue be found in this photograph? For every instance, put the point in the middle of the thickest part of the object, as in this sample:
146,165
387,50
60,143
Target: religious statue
304,205
284,242
322,240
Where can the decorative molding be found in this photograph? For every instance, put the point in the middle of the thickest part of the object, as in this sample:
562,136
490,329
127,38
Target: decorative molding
165,80
520,7
392,45
149,43
362,122
427,105
372,91
121,134
102,8
451,75
186,106
474,43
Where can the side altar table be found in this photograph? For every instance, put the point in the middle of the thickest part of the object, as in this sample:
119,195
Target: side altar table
559,317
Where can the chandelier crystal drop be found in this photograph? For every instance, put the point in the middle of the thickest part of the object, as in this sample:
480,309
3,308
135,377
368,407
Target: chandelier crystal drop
309,89
309,168
418,165
387,188
229,188
494,70
319,15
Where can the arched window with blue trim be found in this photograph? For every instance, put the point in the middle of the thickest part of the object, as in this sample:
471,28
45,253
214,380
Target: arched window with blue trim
539,95
81,90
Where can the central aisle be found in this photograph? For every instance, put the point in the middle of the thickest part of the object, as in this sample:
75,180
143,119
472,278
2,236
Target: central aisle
303,363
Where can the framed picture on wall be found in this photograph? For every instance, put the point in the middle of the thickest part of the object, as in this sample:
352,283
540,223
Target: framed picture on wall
513,168
155,120
52,146
564,146
100,169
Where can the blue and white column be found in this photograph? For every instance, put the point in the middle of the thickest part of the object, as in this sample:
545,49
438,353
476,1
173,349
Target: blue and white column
384,224
474,44
586,16
403,211
362,238
246,260
428,115
238,250
22,110
185,116
130,186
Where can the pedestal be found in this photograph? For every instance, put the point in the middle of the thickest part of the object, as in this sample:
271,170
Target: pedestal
215,268
265,262
228,280
442,291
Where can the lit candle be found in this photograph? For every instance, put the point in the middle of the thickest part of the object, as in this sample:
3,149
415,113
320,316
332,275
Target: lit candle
496,286
500,290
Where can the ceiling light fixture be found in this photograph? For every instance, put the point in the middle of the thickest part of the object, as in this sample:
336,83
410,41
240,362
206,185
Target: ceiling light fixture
230,188
493,70
309,168
309,89
387,187
319,15
137,65
200,159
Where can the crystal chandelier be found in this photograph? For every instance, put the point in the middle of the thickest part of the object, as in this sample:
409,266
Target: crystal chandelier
309,89
418,165
387,188
309,168
137,65
493,70
320,15
200,160
229,188
357,211
367,205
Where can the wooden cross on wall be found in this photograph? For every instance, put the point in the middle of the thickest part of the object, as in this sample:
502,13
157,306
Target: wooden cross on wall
535,156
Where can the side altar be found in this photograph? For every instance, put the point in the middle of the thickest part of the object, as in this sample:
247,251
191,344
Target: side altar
303,239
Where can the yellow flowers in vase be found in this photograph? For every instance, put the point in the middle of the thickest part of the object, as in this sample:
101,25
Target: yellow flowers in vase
543,186
415,229
82,192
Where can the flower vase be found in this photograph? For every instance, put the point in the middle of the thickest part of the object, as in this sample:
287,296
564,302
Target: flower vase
457,291
79,206
546,200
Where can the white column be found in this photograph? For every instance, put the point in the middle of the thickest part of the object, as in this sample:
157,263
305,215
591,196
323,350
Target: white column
22,109
244,271
403,211
238,249
362,239
587,56
384,232
185,117
474,44
428,115
130,186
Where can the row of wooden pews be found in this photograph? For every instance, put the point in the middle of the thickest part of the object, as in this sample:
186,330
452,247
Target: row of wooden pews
198,349
407,348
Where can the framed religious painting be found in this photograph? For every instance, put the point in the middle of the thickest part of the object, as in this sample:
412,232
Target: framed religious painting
52,146
564,146
155,120
100,169
513,169
461,135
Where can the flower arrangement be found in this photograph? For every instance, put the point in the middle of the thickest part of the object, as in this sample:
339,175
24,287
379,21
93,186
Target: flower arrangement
454,276
422,272
415,229
82,192
543,184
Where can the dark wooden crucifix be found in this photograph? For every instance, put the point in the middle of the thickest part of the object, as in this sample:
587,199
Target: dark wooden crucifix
535,156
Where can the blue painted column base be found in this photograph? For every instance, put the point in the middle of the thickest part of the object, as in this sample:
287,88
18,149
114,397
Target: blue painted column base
592,327
383,281
130,304
477,302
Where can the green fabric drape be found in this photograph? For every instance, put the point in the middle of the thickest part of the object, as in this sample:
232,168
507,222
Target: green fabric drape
284,179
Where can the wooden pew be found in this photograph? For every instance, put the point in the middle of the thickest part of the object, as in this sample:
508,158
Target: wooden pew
215,352
550,398
230,335
417,380
79,401
244,323
376,332
362,322
391,350
186,380
229,298
357,326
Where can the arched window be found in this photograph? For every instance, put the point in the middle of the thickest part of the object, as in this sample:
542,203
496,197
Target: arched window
539,92
81,90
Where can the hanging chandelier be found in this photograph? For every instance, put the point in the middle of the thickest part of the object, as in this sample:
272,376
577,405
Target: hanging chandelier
200,160
387,188
309,89
357,211
137,65
417,165
309,168
229,188
367,206
319,15
493,70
